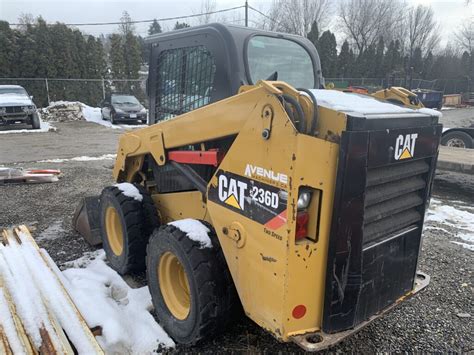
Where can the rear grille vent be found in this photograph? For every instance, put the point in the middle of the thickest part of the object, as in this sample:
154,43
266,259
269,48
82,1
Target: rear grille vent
393,197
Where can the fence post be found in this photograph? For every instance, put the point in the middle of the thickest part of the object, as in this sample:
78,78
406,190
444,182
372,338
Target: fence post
103,89
47,89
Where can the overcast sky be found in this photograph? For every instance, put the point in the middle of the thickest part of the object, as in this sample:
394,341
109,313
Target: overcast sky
449,13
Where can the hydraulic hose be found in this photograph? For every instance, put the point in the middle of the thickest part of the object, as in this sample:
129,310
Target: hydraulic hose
314,122
301,126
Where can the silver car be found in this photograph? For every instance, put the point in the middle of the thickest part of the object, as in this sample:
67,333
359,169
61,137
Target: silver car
16,106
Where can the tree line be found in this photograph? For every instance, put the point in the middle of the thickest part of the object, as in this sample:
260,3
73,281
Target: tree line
37,49
377,39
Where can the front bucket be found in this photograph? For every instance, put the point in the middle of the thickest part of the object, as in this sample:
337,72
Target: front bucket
86,220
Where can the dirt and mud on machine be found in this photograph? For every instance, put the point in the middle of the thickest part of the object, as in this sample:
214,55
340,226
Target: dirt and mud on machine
304,206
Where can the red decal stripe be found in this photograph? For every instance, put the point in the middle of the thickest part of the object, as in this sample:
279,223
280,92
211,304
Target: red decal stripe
277,221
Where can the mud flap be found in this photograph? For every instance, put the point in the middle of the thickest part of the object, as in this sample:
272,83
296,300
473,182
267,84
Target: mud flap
86,220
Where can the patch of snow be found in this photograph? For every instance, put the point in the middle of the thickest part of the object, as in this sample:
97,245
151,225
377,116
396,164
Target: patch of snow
130,190
195,230
81,158
461,220
51,232
358,104
106,300
447,108
44,127
85,259
93,114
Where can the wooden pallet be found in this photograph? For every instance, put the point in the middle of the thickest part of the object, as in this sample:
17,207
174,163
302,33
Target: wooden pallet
24,267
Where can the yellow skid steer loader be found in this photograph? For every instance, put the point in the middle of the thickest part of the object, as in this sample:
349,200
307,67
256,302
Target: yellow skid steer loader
253,186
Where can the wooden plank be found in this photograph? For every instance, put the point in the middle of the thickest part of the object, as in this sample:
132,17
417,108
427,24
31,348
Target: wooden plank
20,329
55,340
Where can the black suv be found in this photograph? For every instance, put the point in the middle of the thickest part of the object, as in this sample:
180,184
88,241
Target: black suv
119,107
16,106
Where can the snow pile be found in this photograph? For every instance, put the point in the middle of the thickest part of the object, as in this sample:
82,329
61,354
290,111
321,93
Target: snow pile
81,158
130,190
461,220
107,301
357,104
62,111
195,230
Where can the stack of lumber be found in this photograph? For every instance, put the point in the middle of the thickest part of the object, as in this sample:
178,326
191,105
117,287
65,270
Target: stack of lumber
37,315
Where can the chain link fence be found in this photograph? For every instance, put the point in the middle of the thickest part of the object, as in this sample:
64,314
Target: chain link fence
88,91
93,91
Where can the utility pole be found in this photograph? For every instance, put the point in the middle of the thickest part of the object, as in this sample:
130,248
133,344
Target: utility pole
246,13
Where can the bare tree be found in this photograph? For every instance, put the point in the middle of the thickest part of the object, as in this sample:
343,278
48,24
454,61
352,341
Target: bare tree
206,7
126,26
423,31
297,16
24,20
465,36
364,21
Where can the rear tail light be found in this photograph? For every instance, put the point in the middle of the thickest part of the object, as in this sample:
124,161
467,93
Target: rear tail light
302,219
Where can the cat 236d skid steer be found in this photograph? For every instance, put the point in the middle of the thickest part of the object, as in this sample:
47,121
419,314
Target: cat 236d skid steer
253,187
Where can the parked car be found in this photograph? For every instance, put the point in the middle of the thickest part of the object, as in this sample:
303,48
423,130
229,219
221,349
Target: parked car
16,106
119,107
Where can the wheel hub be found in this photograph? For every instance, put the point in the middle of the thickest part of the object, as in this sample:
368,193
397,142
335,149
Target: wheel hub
114,230
456,142
174,285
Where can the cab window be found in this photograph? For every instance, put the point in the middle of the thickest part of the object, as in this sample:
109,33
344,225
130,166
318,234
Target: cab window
267,55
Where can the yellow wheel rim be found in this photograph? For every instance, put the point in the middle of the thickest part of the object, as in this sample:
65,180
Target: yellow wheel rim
174,285
114,230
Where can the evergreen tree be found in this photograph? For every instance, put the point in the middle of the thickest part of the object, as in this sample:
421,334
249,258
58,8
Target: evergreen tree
180,25
366,63
427,65
328,54
393,60
313,34
132,56
379,55
117,60
466,62
8,42
154,28
417,62
344,61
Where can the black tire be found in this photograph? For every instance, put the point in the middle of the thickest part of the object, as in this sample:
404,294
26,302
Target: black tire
35,121
457,139
213,299
112,119
137,220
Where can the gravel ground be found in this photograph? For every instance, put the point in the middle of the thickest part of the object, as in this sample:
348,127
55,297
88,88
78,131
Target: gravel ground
429,322
463,117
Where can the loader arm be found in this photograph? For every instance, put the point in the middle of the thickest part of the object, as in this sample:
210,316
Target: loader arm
194,127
